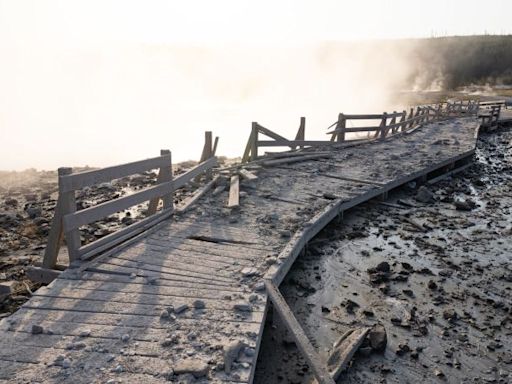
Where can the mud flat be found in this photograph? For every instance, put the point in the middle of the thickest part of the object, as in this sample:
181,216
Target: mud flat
432,267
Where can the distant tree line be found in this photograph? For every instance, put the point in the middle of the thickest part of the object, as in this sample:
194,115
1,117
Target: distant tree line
453,62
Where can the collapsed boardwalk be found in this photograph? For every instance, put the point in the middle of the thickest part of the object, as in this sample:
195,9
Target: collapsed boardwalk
188,297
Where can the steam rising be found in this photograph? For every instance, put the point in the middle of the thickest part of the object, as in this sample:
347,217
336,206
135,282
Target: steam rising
101,106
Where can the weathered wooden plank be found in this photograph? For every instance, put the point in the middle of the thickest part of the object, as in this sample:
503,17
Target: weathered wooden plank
354,129
216,228
294,159
88,215
202,273
207,240
269,133
145,310
78,293
86,179
177,275
184,178
138,285
189,264
308,351
159,256
234,192
247,175
293,143
186,204
91,249
172,281
199,246
344,350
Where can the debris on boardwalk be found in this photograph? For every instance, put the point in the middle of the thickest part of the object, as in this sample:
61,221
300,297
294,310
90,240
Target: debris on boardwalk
439,299
187,300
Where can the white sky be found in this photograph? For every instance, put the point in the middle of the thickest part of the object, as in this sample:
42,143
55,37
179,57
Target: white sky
79,86
185,21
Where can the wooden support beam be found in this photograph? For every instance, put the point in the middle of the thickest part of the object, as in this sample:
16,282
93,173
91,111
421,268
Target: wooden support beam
234,192
344,350
42,275
308,351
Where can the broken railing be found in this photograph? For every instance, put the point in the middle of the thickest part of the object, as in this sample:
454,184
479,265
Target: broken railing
67,219
489,113
387,123
327,371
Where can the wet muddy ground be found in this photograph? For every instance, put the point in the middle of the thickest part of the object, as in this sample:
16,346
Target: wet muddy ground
432,267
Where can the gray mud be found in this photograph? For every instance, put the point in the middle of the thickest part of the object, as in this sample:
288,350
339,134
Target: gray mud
445,302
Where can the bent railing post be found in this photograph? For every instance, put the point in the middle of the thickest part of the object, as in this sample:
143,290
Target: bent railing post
301,133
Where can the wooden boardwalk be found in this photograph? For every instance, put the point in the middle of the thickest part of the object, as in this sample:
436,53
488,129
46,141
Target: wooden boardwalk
176,299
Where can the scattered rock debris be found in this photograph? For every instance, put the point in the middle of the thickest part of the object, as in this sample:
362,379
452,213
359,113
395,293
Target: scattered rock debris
436,290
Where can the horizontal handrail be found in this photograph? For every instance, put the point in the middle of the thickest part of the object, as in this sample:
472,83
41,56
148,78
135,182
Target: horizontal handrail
91,214
112,239
192,173
80,180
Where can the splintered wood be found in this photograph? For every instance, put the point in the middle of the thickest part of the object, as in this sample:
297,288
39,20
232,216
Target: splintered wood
234,192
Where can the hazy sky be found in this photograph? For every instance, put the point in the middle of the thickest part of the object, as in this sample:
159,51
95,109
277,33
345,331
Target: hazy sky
103,82
83,22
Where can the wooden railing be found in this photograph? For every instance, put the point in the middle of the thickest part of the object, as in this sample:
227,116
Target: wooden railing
490,115
67,219
387,123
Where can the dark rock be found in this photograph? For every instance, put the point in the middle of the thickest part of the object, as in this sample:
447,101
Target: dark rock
378,338
450,315
402,349
350,305
424,195
464,205
37,329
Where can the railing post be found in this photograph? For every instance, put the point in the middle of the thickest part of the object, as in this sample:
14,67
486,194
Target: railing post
51,252
411,116
207,147
68,200
401,126
215,142
254,143
342,121
207,151
301,132
166,172
393,122
383,124
164,175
